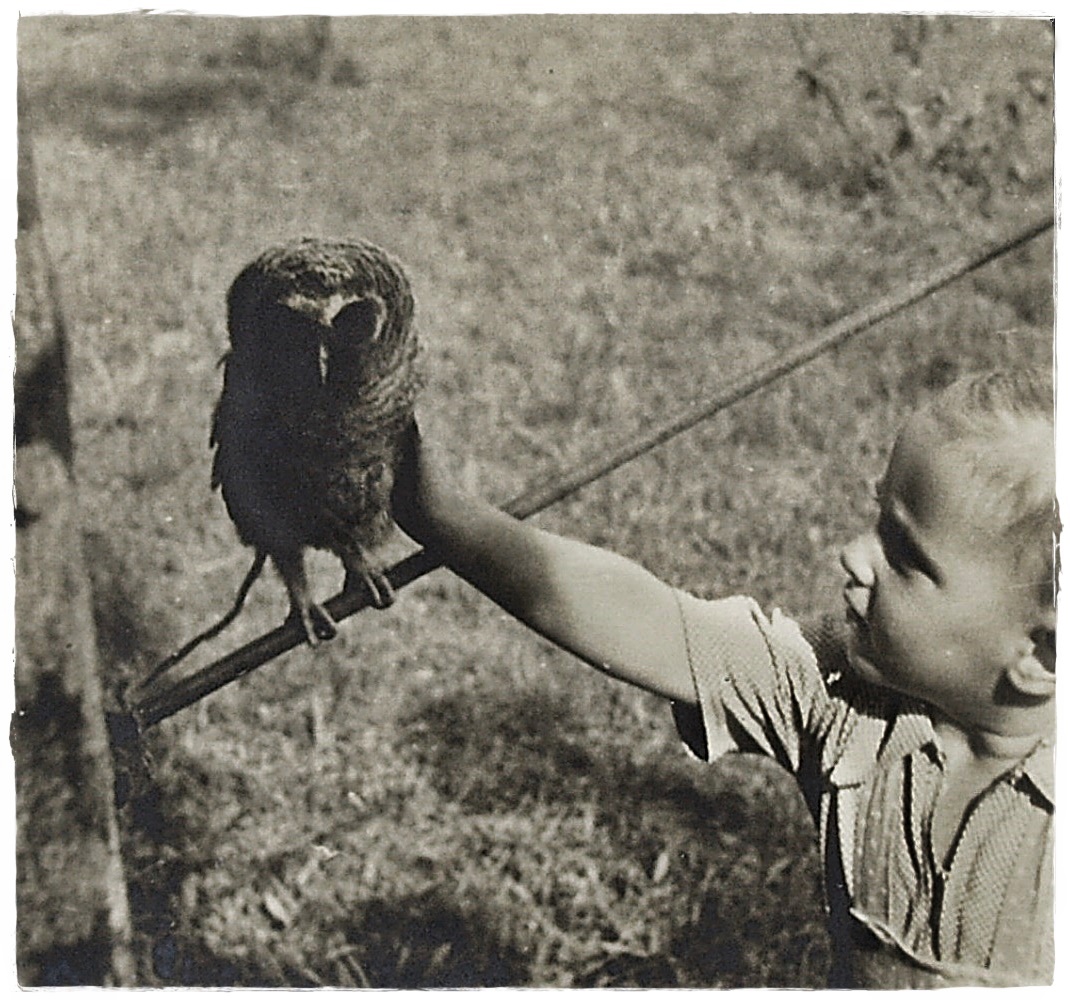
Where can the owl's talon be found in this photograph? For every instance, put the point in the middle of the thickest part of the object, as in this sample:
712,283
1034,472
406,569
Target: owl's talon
380,589
316,623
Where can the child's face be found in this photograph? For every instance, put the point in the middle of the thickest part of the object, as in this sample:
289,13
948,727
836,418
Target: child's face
932,594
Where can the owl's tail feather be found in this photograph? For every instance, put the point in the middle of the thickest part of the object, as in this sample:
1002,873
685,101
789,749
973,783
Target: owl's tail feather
239,601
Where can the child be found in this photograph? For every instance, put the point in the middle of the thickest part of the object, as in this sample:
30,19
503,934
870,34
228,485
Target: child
920,731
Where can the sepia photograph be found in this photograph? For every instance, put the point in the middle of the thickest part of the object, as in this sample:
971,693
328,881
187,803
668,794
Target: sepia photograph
534,500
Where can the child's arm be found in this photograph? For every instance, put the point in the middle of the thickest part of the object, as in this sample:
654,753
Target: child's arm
605,609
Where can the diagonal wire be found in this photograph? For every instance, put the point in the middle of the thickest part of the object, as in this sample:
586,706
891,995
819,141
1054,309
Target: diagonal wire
153,707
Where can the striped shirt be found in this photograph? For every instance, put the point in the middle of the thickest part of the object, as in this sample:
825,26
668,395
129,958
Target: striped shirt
870,767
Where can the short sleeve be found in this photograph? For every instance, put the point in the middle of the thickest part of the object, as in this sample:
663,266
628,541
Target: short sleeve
758,685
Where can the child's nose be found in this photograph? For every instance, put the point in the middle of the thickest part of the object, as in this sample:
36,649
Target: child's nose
856,559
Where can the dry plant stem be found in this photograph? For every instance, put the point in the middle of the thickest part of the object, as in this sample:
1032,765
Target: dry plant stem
210,633
154,707
822,82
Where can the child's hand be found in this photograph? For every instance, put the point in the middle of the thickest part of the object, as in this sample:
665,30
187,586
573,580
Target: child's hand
404,502
418,477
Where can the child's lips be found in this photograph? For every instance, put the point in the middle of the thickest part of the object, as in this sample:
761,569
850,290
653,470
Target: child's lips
856,622
859,645
855,615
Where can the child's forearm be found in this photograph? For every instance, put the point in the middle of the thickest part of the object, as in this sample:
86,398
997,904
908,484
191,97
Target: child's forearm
483,545
604,608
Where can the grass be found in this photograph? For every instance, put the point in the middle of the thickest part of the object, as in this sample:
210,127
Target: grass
603,218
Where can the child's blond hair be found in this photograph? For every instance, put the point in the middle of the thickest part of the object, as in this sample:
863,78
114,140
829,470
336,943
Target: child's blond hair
1015,485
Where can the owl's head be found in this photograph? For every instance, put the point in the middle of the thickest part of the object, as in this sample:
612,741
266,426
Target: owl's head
338,302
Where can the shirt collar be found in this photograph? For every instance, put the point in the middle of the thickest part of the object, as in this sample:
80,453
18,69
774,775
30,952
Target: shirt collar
1039,767
909,729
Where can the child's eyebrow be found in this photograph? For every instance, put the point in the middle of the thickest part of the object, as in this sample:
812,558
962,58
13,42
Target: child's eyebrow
893,523
900,531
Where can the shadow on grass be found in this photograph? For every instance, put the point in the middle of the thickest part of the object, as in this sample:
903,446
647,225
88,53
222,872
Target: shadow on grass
156,837
501,750
734,838
165,842
422,941
495,752
427,942
117,113
259,69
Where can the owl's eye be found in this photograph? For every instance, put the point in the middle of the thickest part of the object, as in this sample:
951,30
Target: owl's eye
281,325
358,319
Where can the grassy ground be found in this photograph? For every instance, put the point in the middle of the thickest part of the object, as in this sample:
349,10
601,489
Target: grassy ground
603,219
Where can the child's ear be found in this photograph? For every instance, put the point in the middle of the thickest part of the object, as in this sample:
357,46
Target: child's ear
1033,672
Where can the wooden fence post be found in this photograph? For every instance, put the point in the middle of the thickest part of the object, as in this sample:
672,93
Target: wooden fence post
73,923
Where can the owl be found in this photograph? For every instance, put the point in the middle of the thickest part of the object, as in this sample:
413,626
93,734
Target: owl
319,385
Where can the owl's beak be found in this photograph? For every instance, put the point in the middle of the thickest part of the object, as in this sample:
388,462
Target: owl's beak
324,357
